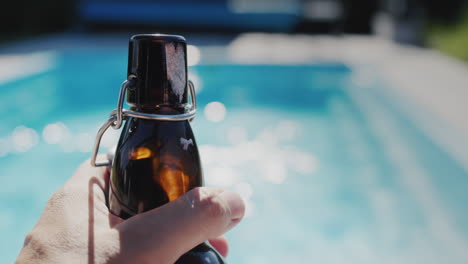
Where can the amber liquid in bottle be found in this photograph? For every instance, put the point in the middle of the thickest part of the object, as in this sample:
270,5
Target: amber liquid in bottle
157,161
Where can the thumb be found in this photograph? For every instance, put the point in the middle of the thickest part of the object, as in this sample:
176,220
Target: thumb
165,233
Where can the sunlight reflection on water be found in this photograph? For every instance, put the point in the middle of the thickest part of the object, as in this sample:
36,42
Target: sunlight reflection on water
271,155
24,138
329,173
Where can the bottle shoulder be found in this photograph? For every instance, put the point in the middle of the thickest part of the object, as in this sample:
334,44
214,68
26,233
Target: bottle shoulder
140,130
169,139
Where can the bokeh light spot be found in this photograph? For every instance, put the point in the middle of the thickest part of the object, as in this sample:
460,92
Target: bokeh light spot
220,176
236,135
24,138
215,112
193,55
244,189
55,133
84,142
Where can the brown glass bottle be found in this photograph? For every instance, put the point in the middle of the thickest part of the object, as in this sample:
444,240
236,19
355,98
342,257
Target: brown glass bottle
157,161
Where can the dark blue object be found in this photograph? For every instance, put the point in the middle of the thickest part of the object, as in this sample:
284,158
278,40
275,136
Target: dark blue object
186,14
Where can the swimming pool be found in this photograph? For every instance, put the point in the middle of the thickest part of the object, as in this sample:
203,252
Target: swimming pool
332,171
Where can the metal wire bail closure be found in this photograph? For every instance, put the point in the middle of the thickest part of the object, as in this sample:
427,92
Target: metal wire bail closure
118,115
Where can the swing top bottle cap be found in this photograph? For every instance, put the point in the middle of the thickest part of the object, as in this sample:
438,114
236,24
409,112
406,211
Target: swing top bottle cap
157,64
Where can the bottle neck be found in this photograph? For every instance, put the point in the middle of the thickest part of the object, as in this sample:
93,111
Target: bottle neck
159,110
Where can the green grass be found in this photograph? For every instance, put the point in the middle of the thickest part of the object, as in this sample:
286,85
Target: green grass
450,39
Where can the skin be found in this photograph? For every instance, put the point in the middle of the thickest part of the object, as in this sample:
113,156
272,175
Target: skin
76,226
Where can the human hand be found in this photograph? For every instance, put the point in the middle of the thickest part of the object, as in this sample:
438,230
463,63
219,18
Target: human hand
77,227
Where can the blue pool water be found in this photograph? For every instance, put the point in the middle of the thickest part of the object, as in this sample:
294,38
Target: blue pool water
331,170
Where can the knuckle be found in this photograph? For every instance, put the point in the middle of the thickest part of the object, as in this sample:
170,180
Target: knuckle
211,213
215,208
28,239
210,205
35,244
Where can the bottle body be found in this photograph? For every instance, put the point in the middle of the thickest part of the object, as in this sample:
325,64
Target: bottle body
156,162
201,254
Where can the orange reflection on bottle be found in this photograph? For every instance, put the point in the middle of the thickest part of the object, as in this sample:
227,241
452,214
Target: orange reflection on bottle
141,153
173,181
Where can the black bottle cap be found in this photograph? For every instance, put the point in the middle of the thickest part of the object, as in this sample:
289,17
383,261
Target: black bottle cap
157,64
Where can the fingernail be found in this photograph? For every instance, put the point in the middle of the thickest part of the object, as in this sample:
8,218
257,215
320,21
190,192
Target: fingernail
235,204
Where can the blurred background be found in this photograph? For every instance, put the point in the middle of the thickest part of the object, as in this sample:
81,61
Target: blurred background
438,24
341,123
